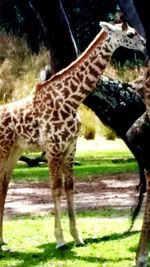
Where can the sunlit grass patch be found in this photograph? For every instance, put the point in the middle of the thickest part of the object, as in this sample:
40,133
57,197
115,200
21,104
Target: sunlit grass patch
106,242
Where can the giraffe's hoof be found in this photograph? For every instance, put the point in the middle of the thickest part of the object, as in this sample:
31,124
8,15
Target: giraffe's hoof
4,247
79,243
61,245
64,247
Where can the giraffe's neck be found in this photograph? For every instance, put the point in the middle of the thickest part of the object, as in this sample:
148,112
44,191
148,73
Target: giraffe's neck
80,78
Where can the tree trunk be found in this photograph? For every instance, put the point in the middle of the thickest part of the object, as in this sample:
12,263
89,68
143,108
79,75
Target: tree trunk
58,35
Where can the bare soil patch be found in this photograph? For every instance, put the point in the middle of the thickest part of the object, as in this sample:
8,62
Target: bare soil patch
115,191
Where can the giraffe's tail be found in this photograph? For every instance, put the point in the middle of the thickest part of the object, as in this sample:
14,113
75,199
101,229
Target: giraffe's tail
138,137
139,201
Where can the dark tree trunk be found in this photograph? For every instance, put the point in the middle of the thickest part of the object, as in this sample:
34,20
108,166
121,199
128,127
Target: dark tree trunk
118,105
58,35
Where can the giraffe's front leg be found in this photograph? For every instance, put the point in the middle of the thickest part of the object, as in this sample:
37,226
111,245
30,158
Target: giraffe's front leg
142,253
5,175
3,192
57,184
72,215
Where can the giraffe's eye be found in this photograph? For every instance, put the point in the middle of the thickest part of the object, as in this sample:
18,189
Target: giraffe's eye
130,34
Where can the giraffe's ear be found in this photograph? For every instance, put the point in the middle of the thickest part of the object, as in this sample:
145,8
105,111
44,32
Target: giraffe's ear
120,18
107,27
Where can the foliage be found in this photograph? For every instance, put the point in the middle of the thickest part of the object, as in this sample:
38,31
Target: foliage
13,52
88,122
108,133
18,18
130,71
19,68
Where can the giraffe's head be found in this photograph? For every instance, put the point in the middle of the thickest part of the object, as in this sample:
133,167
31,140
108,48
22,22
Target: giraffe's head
122,34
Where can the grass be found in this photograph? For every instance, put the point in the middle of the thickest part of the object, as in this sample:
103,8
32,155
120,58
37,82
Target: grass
106,242
96,157
24,173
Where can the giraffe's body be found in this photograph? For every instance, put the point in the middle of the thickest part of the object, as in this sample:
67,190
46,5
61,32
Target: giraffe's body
47,120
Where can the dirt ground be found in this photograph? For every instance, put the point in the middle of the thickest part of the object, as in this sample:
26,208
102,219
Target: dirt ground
117,191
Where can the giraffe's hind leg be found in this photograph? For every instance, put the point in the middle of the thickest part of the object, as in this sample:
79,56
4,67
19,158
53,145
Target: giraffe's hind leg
3,192
142,253
69,190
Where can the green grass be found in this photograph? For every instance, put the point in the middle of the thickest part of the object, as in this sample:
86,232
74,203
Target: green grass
106,243
92,163
88,155
24,173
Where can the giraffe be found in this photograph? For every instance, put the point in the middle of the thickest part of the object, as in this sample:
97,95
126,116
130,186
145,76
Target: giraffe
139,134
47,120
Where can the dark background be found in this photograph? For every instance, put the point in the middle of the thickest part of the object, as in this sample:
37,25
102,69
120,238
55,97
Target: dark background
17,17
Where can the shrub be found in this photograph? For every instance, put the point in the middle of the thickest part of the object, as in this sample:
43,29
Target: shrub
108,133
19,67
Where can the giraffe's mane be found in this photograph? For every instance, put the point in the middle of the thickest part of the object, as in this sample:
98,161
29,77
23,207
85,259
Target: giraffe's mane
98,39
